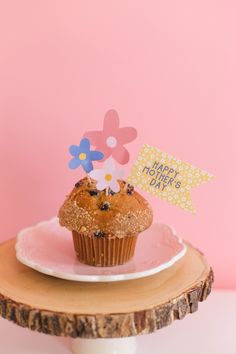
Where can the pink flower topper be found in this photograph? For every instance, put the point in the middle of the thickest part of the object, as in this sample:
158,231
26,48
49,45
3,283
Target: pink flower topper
111,139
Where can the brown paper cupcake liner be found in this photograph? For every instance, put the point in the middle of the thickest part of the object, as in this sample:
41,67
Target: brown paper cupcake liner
103,252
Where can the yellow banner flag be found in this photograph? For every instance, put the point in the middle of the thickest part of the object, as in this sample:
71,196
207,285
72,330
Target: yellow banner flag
163,175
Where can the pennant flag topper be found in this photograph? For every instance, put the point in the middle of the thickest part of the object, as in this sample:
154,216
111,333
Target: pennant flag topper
165,176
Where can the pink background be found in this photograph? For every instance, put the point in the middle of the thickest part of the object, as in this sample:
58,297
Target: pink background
167,67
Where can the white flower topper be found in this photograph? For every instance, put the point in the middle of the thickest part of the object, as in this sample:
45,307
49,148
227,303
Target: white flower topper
107,177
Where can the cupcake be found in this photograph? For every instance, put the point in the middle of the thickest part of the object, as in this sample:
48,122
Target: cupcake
105,226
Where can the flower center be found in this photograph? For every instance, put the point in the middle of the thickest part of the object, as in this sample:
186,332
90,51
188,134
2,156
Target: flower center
108,177
111,141
82,156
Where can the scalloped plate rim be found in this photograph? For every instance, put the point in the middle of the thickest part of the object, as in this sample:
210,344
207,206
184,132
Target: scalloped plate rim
95,278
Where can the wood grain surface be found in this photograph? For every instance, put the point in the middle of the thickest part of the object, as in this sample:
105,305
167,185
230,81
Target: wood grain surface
101,310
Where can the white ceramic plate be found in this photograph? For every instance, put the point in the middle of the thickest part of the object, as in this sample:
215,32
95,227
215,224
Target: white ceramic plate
48,248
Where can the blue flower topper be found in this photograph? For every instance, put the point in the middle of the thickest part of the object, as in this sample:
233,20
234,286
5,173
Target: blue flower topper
83,156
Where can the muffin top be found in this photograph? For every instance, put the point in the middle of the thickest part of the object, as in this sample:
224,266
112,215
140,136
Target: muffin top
93,213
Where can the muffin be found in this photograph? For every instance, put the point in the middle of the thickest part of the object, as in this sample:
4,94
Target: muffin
104,227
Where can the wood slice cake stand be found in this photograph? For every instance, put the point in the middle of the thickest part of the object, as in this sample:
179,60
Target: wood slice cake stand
101,317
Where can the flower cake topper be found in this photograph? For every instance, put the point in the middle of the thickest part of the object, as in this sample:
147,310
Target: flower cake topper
109,146
83,156
107,177
111,139
154,171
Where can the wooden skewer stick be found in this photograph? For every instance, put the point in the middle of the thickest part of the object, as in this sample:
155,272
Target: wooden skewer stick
89,178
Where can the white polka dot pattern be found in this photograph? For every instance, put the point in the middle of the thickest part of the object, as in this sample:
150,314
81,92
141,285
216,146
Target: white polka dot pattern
165,176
